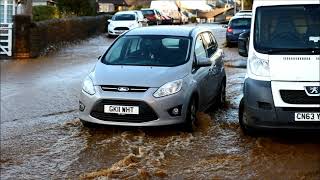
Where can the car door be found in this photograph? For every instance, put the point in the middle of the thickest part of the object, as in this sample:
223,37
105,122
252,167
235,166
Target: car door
215,71
201,74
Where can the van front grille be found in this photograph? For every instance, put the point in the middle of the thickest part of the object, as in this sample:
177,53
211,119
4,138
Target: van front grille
298,97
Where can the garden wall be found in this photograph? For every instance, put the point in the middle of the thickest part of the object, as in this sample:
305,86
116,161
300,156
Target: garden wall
33,38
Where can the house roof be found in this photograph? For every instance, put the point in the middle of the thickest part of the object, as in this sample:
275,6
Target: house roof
126,2
115,2
214,12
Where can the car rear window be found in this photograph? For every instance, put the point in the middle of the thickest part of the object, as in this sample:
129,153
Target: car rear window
240,23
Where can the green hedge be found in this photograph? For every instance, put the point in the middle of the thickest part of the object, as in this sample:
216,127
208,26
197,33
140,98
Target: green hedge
41,13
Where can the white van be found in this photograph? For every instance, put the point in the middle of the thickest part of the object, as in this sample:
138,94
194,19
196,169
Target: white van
282,84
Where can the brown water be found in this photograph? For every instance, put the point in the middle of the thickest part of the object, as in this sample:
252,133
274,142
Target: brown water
45,140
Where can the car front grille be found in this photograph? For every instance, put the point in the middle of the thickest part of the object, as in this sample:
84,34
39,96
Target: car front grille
121,28
298,97
146,113
126,88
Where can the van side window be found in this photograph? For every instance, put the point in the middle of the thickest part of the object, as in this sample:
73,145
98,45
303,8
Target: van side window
209,43
200,50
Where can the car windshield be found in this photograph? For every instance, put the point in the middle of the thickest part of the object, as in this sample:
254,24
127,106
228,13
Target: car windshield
285,29
123,17
147,50
240,23
147,12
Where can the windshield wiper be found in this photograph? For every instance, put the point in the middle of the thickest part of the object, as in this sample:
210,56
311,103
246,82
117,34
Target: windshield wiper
283,50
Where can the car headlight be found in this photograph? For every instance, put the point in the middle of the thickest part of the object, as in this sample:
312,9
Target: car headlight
111,25
169,89
259,67
88,86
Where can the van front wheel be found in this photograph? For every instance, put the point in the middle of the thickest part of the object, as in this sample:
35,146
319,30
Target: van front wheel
242,118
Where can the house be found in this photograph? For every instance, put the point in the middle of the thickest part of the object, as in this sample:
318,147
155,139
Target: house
217,15
120,5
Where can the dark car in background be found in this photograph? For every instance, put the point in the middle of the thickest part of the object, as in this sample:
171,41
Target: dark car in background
153,16
237,25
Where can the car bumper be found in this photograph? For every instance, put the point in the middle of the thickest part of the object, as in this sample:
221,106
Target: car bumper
160,107
232,38
263,114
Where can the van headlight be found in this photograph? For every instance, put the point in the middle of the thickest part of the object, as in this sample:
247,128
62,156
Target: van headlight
169,89
259,67
88,86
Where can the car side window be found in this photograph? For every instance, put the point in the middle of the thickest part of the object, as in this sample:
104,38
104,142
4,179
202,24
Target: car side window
200,51
209,43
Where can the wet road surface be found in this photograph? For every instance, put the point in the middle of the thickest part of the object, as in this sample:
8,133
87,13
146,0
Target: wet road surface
42,138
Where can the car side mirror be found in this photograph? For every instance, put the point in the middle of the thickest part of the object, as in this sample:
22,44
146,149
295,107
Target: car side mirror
243,44
109,20
225,26
203,62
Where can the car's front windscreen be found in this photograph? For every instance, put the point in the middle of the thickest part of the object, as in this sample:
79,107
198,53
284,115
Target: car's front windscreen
287,29
147,50
241,23
124,17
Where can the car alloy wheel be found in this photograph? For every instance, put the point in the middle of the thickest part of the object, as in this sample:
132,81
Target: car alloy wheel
191,117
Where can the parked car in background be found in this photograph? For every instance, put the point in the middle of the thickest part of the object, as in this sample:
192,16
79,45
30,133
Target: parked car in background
282,85
166,20
244,13
184,19
124,21
155,76
237,25
153,16
168,8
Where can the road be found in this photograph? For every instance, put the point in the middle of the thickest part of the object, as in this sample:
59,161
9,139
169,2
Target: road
42,138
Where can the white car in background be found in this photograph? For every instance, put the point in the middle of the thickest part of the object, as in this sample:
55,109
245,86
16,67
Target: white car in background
124,21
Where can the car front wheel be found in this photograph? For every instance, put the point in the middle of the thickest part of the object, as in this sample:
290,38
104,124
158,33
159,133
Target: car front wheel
191,116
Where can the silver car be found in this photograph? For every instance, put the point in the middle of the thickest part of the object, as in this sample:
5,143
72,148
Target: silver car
154,76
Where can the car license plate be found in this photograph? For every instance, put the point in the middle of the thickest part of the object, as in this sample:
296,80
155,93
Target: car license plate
299,116
115,109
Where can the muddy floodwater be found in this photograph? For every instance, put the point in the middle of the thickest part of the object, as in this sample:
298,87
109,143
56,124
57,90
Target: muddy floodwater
42,138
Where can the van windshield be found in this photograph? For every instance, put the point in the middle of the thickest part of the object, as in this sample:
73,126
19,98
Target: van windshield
147,50
287,29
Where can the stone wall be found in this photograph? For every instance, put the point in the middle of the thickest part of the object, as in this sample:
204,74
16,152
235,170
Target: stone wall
33,38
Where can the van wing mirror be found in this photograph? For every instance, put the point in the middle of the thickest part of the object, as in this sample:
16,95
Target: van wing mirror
243,44
109,20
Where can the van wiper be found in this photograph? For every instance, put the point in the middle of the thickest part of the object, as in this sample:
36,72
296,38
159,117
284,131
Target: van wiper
283,50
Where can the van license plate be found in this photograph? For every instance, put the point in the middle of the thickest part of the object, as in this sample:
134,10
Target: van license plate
307,116
115,109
